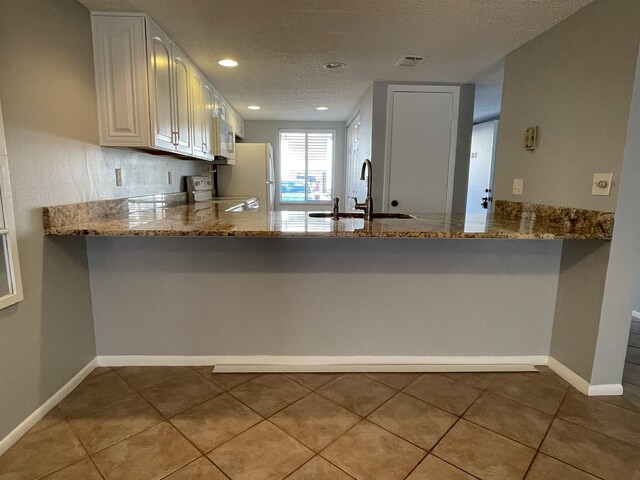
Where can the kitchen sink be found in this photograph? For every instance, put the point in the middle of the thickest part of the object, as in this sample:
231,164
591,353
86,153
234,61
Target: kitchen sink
361,215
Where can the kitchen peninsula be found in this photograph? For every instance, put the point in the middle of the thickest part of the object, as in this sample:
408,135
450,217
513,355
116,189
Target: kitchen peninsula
302,301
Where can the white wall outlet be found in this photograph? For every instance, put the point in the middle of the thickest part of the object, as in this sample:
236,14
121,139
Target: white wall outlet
601,184
170,178
118,177
518,186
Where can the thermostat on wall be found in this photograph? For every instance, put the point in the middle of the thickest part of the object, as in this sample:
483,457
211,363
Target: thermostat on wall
531,138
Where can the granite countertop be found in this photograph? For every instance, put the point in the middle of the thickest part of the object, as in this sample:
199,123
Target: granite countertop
166,215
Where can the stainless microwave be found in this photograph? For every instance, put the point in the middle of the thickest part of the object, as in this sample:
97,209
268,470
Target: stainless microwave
224,142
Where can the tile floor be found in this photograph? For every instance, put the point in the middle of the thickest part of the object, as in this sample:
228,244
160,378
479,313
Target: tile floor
144,423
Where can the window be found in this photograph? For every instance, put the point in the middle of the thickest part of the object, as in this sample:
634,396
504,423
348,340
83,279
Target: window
10,283
306,166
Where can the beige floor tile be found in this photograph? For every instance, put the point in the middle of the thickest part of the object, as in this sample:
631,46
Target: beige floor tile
511,419
54,417
367,452
38,454
443,392
394,380
99,371
227,381
549,376
147,455
630,399
83,470
479,380
180,392
264,452
215,421
413,420
633,355
142,377
270,393
526,389
357,393
93,393
602,417
631,373
313,380
592,452
201,469
319,469
107,425
483,453
315,421
432,468
547,468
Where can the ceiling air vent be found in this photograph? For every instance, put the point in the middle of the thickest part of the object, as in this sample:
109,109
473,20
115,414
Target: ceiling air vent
410,61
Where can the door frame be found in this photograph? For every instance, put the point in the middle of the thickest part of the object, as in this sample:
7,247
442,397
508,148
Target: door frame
391,89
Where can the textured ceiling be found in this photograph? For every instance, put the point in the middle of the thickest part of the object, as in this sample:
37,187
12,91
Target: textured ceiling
282,44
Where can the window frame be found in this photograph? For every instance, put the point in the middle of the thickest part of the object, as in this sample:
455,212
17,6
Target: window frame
8,240
334,134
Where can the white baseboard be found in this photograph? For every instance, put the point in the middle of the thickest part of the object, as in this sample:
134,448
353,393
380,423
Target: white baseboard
581,384
358,363
635,314
43,409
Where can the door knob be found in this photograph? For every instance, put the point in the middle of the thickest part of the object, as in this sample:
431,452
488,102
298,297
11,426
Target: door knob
394,203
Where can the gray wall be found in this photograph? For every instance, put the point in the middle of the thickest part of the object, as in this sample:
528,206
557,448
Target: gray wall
488,98
49,105
268,131
578,304
623,273
574,81
322,296
463,148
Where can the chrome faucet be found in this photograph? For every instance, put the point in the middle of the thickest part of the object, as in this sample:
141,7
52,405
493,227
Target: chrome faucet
367,206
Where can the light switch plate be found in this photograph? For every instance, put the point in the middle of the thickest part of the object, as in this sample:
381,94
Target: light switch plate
601,184
518,186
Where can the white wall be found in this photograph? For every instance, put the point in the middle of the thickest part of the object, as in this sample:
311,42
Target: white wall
574,81
488,99
268,131
49,105
333,296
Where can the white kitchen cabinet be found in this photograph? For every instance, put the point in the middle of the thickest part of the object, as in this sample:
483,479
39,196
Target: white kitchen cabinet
150,95
209,96
120,58
160,89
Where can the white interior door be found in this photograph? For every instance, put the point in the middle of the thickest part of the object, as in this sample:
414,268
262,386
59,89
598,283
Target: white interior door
421,136
481,164
354,186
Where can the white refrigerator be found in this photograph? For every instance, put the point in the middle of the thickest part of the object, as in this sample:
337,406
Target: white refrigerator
253,174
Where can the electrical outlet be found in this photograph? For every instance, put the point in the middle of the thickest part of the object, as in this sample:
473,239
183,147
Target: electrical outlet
601,184
118,177
170,178
518,186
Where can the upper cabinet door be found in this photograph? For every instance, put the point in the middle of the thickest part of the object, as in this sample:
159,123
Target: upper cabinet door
120,61
209,106
182,117
163,131
198,119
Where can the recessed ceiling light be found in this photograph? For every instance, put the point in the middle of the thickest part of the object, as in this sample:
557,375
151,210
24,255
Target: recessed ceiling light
333,65
253,107
227,62
322,108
